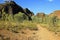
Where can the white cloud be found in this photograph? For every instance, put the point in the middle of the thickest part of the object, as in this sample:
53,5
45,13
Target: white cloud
50,0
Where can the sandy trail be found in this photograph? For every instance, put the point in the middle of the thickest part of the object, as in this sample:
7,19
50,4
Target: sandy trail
44,34
41,34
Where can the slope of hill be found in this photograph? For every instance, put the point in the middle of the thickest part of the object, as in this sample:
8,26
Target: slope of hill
13,8
29,12
56,13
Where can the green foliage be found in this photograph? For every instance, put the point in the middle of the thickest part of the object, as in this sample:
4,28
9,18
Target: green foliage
51,23
36,19
20,17
20,21
17,26
16,23
30,25
17,17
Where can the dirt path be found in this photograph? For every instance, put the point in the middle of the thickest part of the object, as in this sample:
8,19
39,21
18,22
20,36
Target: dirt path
45,34
41,34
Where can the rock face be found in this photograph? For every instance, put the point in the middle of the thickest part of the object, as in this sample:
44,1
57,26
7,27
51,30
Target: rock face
56,13
28,11
13,8
40,15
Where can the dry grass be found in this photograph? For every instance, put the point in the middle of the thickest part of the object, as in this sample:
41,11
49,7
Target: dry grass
15,26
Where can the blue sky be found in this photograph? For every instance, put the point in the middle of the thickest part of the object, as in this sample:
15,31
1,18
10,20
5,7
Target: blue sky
46,6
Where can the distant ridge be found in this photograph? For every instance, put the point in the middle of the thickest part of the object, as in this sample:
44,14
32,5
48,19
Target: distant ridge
55,13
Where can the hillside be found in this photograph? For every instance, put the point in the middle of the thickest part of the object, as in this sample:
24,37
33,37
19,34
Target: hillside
56,13
17,23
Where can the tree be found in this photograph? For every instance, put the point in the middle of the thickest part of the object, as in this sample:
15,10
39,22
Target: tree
54,20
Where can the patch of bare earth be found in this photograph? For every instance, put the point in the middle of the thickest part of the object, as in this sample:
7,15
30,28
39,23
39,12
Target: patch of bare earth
26,34
45,34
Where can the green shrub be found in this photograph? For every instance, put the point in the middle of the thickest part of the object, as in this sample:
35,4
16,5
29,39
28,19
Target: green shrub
36,19
20,17
51,23
17,26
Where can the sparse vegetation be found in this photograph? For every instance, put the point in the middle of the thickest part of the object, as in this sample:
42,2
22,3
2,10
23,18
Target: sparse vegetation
17,23
52,23
15,19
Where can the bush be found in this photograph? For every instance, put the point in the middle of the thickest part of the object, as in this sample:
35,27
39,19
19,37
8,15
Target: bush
17,26
20,17
52,23
36,19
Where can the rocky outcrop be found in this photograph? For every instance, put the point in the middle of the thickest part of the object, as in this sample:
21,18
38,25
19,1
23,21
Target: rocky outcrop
29,12
13,8
40,15
55,13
